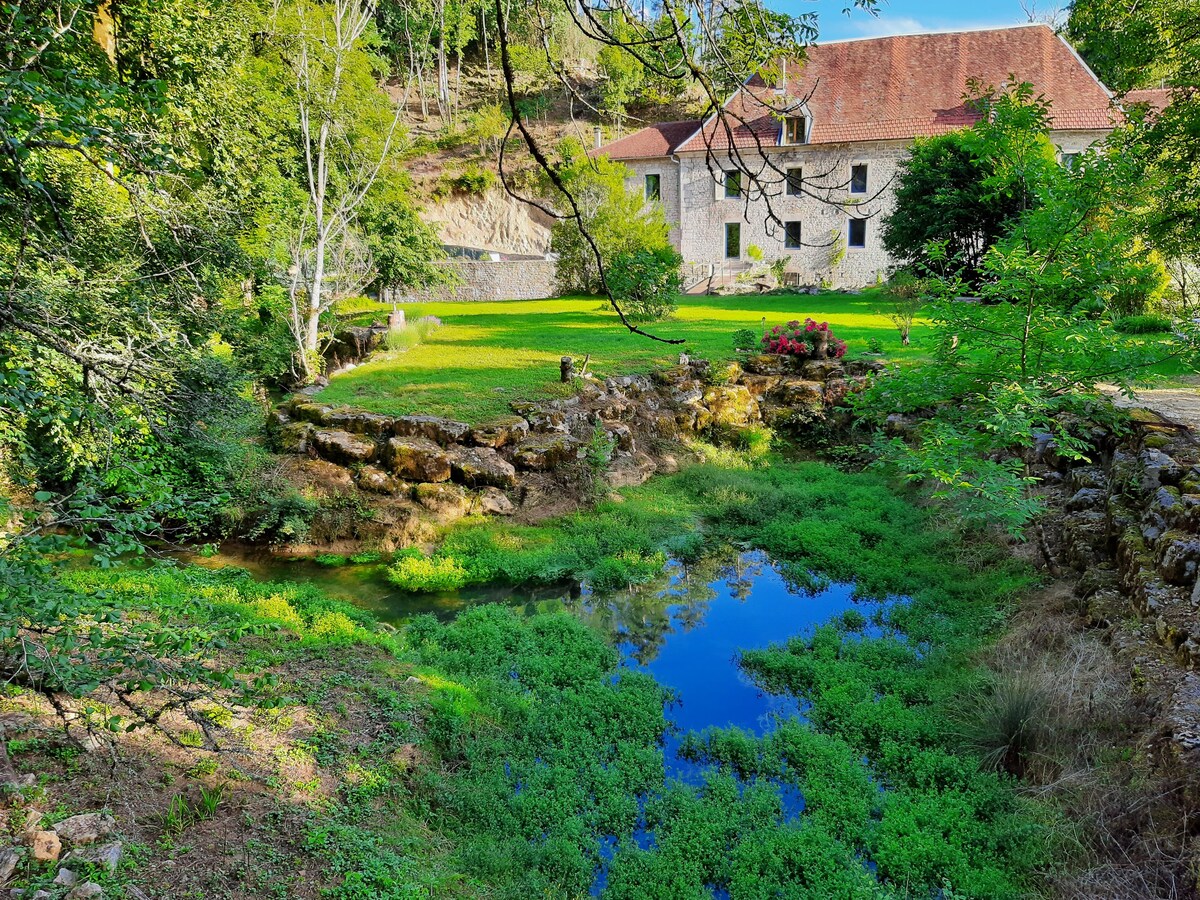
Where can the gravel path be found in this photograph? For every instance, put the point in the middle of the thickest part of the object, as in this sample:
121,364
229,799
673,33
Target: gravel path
1179,404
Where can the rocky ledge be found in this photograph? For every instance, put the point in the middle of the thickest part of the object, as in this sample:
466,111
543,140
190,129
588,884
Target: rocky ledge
419,470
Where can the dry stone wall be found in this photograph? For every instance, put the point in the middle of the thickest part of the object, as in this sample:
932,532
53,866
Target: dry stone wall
481,280
420,469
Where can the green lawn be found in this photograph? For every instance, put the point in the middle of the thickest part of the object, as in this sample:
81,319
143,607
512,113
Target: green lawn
487,355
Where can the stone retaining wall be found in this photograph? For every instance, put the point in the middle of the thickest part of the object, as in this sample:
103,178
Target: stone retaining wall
444,468
481,280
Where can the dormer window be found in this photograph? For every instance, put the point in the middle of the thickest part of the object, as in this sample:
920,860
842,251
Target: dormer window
795,129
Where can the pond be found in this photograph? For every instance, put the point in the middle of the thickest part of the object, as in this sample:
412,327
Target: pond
686,630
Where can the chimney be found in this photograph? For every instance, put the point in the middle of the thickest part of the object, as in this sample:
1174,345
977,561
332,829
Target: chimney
599,137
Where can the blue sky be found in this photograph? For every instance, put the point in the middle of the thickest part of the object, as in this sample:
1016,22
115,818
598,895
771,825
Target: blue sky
910,16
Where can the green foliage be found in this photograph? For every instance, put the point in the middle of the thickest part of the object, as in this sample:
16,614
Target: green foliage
617,219
646,282
1145,324
413,333
745,339
948,193
472,179
420,573
1009,365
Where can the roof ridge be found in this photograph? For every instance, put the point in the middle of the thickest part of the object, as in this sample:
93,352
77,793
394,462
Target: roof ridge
906,34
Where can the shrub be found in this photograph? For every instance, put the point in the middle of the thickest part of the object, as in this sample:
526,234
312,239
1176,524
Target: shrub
330,560
744,339
423,573
471,180
1146,324
811,340
1010,724
646,282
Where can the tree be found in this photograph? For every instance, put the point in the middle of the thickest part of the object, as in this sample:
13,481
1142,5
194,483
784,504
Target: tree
612,221
646,282
945,194
347,134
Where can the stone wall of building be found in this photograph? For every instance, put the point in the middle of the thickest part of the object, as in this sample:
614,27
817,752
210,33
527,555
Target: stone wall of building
480,280
693,198
668,172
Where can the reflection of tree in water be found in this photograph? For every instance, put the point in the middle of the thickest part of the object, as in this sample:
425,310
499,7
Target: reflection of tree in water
741,574
677,602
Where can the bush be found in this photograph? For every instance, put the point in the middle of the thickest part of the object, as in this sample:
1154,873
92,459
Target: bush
811,340
424,573
744,339
1147,324
646,282
471,180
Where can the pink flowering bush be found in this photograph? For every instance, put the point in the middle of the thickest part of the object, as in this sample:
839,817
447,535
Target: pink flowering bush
811,340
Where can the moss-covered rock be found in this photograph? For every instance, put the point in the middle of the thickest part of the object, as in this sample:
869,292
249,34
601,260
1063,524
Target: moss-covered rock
480,467
418,459
343,447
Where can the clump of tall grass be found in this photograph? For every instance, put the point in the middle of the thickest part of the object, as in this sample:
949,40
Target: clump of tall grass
1009,723
412,334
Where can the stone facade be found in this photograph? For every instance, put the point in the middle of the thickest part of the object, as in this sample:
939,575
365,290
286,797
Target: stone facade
482,280
694,202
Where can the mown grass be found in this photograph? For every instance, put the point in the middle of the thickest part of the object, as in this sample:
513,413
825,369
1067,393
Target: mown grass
486,355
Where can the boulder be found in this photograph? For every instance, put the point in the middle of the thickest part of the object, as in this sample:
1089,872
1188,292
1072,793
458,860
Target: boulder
1159,469
107,856
767,364
377,481
800,393
864,366
359,422
89,890
824,369
546,452
343,447
760,385
500,432
494,502
294,437
9,857
85,828
1179,557
433,428
480,467
731,405
448,502
621,436
418,459
45,846
306,410
1086,498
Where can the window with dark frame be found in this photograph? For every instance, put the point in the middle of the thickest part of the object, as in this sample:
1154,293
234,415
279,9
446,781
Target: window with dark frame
858,233
791,235
733,183
733,240
858,179
795,182
795,129
653,186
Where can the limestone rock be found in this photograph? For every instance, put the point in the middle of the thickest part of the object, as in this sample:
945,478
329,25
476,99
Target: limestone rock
731,405
65,878
107,855
1159,469
1179,557
295,437
767,364
760,385
494,502
1086,498
433,428
343,447
9,858
85,828
306,410
546,452
359,422
418,459
89,890
621,436
377,481
480,467
448,501
45,846
500,432
823,369
800,394
864,366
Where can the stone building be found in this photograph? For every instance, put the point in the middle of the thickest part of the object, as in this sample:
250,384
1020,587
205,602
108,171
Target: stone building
804,168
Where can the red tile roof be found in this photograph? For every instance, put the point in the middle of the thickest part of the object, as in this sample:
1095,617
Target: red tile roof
658,140
1156,98
897,88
